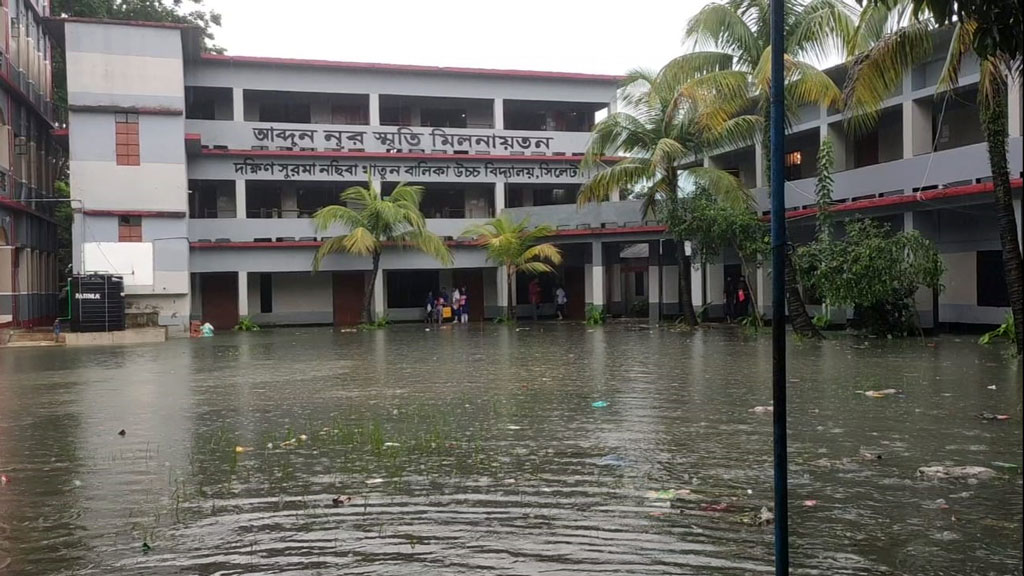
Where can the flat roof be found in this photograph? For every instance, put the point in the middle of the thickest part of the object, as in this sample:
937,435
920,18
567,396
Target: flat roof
376,66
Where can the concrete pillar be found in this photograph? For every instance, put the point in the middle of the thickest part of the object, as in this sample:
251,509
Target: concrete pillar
374,109
760,282
243,294
837,134
240,207
238,104
289,202
917,127
379,303
499,198
1015,114
502,290
499,113
760,180
596,297
654,282
613,106
614,196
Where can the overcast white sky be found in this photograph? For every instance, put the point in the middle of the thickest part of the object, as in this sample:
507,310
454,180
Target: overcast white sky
595,36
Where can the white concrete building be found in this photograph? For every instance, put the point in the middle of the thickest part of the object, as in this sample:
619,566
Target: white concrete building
198,174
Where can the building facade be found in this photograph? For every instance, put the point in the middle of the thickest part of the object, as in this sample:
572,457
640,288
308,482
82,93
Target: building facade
197,175
29,159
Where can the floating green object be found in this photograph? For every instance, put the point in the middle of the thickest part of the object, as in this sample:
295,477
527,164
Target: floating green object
599,404
146,547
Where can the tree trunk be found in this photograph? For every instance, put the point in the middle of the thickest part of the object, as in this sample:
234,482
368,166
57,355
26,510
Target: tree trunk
994,121
685,285
798,316
751,291
368,289
510,313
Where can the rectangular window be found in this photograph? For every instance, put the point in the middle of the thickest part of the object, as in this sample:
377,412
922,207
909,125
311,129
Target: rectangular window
266,294
129,229
409,288
638,284
991,281
126,139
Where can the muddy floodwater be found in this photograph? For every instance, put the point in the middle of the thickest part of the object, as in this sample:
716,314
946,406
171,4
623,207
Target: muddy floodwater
479,450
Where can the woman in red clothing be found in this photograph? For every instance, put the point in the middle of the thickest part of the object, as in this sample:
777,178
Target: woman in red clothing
535,296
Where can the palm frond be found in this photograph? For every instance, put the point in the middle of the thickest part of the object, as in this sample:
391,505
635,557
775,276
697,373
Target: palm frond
823,30
535,268
959,46
361,242
427,242
720,183
625,174
546,252
332,245
719,26
877,74
329,216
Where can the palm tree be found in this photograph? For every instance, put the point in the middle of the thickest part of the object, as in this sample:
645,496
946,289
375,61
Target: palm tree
517,247
733,42
667,125
374,222
889,43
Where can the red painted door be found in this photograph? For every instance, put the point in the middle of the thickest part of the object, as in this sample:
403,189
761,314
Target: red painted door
576,292
220,299
473,280
348,288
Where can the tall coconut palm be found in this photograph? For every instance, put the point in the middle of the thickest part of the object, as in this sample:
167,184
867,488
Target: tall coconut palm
517,247
373,222
889,43
667,125
733,53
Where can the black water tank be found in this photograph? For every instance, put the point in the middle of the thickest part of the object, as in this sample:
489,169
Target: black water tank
97,303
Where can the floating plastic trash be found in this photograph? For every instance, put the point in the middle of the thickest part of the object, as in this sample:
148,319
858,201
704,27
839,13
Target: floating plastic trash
599,404
373,481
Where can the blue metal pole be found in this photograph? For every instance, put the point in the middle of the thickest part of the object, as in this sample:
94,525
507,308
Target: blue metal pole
778,211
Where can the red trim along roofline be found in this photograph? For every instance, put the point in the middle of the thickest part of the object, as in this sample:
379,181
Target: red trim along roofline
317,243
381,67
926,196
115,22
400,155
970,190
142,213
18,206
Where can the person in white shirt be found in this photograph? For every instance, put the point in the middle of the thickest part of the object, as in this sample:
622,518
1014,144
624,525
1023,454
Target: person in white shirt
560,300
456,304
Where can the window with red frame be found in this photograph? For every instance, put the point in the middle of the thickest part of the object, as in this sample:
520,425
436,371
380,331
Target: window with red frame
129,229
126,134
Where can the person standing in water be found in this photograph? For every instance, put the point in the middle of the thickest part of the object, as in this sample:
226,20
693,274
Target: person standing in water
462,305
456,305
560,300
535,297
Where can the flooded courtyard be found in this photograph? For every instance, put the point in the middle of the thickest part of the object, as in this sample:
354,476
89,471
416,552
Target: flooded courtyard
480,450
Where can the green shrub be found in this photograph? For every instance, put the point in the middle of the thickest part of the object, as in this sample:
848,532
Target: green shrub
596,315
245,324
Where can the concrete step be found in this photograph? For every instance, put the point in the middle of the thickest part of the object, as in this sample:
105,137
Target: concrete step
49,344
19,337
